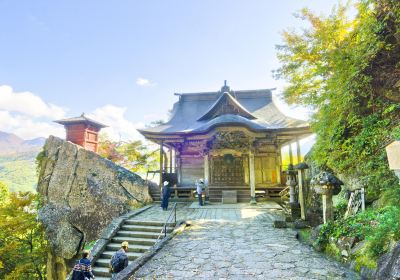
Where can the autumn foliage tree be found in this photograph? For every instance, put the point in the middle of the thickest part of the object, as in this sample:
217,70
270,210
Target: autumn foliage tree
348,71
133,155
23,248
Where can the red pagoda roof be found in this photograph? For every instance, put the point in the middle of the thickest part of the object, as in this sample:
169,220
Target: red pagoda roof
81,119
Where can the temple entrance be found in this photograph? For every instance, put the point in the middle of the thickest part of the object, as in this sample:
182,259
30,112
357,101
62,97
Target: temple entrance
227,170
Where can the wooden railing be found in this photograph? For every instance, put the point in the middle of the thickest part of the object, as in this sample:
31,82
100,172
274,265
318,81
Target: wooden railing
167,221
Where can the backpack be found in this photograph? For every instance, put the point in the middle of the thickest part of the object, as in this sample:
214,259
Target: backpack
118,262
77,273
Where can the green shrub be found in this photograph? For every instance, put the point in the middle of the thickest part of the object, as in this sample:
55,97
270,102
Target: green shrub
379,227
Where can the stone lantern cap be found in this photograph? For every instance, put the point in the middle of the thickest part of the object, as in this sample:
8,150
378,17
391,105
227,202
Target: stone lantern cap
301,166
325,181
393,154
290,170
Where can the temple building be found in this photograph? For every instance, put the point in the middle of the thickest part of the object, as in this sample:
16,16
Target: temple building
82,131
231,139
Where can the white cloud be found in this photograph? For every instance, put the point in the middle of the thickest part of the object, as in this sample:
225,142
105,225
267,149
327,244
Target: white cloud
28,116
119,128
143,82
27,127
27,103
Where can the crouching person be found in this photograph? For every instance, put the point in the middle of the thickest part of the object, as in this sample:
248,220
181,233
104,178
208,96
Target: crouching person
119,260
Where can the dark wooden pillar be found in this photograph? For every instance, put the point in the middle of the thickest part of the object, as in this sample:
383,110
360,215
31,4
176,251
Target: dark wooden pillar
161,163
170,160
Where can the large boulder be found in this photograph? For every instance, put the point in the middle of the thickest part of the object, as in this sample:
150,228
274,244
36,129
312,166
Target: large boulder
82,193
389,265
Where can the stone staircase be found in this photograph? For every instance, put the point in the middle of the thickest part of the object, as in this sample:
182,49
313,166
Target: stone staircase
141,235
154,191
215,193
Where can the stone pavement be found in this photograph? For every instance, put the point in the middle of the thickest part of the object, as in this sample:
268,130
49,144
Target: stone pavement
237,244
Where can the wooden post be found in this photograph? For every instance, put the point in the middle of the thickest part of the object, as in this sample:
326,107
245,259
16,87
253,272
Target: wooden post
278,166
301,194
161,163
298,150
170,160
206,170
178,164
252,178
363,199
290,153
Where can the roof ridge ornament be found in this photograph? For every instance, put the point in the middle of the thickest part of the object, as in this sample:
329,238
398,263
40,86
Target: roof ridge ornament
225,87
226,104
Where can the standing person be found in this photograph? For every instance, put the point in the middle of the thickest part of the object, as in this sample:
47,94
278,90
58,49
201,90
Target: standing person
199,189
83,269
166,193
119,259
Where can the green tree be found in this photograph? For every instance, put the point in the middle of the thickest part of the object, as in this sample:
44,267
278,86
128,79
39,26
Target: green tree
23,248
347,70
134,155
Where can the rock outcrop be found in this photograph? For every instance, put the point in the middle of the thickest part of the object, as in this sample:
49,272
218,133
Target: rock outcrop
389,265
82,193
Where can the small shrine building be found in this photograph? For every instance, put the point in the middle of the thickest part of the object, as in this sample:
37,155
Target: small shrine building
82,131
231,139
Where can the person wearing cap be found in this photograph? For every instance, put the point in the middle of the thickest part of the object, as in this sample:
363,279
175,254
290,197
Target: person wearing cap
119,259
83,269
166,193
199,190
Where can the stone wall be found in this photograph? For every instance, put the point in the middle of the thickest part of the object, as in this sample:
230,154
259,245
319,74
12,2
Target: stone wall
82,193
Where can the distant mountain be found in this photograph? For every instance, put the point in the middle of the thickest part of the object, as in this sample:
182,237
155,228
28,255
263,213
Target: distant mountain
12,144
17,161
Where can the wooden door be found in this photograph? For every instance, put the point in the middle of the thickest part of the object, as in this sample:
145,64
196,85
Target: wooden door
227,173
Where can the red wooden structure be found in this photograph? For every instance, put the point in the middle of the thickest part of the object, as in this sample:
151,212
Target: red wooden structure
82,131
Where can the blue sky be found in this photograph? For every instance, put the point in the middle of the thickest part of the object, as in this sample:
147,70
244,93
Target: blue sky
121,61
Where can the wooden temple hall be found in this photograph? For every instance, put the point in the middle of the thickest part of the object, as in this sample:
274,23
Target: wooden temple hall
231,139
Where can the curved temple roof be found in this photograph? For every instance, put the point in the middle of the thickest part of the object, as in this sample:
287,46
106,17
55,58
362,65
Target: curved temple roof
200,112
81,119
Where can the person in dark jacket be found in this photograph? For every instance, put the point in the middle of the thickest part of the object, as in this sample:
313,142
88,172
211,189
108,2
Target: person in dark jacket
166,193
119,259
83,269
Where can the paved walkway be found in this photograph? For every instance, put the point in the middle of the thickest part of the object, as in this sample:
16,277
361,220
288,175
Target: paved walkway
236,244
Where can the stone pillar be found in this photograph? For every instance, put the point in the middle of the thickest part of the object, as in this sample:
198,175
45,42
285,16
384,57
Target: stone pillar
302,202
291,184
161,163
252,178
327,205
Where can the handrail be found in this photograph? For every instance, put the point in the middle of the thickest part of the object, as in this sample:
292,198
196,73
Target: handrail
164,229
284,191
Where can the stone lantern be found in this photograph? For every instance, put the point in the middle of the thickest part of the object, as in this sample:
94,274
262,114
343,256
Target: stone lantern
326,184
291,183
393,155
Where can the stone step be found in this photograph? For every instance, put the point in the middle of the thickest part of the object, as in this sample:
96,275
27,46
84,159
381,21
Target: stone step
131,255
101,272
115,245
102,278
146,228
134,240
147,223
239,200
102,263
140,234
